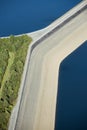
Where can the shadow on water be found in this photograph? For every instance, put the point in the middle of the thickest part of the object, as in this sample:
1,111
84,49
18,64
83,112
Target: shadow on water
71,108
22,16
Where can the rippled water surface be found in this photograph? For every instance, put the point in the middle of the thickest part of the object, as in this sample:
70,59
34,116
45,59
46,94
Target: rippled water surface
21,16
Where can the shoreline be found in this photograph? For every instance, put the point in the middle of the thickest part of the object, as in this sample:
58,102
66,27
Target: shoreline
35,35
40,92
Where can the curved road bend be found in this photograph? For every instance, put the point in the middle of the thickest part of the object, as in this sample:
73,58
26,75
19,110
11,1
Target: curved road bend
37,110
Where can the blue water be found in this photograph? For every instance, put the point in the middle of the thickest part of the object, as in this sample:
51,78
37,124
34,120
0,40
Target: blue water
22,16
71,110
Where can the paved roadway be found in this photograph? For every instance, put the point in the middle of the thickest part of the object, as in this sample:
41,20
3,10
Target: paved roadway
37,109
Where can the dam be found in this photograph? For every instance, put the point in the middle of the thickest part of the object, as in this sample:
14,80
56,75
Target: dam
37,107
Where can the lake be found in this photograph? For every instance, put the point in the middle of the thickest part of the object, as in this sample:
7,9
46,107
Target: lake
24,16
71,109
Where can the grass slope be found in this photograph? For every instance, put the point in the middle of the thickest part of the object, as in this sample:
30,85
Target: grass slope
13,52
7,72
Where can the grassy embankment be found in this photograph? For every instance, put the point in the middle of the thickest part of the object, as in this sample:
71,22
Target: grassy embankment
13,52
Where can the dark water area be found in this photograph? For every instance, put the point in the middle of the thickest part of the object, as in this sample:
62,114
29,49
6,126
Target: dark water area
22,16
71,109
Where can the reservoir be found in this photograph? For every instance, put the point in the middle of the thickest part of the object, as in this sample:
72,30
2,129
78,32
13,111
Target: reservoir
71,109
24,16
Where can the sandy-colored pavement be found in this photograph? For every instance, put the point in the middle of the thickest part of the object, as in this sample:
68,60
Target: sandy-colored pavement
37,109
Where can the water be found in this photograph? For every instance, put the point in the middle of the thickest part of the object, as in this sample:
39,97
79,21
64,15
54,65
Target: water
22,16
71,111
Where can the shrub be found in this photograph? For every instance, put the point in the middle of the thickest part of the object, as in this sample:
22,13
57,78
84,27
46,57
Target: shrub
9,90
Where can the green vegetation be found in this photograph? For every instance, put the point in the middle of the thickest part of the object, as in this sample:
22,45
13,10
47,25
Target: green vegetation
13,52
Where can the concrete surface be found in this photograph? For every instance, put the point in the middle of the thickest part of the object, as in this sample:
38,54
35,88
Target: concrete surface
37,109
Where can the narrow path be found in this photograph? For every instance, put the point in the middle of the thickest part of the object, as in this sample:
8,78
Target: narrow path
7,72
